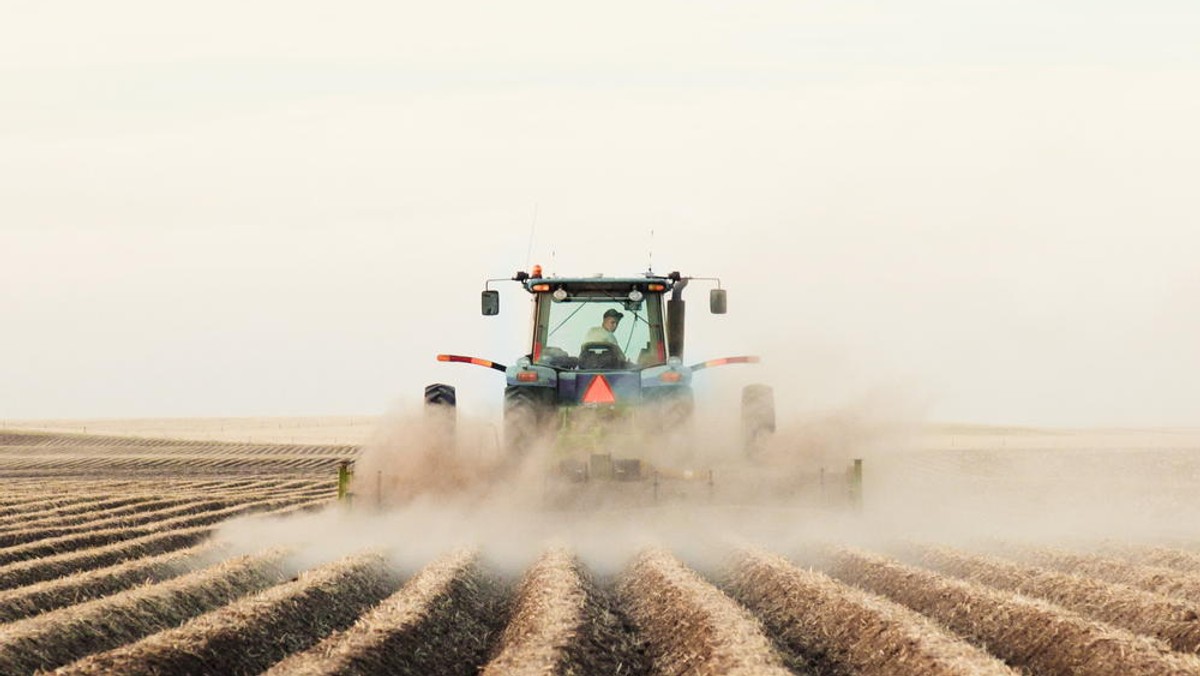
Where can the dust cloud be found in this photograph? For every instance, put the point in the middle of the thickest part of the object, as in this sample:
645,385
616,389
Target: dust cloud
430,480
427,483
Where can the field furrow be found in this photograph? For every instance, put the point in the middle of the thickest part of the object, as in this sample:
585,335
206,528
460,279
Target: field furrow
90,504
840,629
69,543
252,634
690,626
1026,633
1179,559
1173,621
1158,579
442,621
43,506
116,507
144,504
126,521
563,623
59,637
49,567
30,600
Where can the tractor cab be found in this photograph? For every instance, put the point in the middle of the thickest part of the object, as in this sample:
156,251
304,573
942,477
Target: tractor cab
598,324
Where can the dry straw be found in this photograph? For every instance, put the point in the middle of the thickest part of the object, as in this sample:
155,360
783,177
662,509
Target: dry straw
98,515
1176,622
1026,633
1158,579
84,524
67,543
16,604
690,626
440,622
30,514
563,622
22,573
251,634
50,567
1179,559
842,629
59,637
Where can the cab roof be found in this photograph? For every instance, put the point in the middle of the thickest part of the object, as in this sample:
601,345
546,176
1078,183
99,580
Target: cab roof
600,282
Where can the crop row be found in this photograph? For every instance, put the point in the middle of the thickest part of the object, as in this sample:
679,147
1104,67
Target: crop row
252,634
48,442
27,466
1175,622
153,514
442,621
562,622
62,636
125,498
21,573
1027,633
67,543
842,629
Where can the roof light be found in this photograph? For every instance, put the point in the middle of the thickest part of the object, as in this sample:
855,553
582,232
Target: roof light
541,287
656,287
527,376
671,377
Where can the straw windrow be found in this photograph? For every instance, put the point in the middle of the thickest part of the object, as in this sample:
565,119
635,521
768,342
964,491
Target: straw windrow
73,542
1176,622
1026,633
441,621
58,637
250,635
844,630
1178,559
1158,579
690,626
562,622
38,598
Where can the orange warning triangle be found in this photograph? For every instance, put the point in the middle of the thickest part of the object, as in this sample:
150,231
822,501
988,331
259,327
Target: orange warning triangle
599,392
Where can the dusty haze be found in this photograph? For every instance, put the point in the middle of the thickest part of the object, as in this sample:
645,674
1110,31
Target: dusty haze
984,210
417,493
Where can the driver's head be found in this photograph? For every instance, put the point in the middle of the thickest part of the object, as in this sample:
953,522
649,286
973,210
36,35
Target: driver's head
611,319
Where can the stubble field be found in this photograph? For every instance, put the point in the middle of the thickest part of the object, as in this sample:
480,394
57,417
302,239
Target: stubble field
154,556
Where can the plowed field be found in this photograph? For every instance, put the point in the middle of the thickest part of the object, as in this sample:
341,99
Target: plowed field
125,555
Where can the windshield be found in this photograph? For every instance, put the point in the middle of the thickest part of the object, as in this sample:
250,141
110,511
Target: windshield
633,330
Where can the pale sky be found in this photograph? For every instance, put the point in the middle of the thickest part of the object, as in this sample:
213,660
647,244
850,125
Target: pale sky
985,211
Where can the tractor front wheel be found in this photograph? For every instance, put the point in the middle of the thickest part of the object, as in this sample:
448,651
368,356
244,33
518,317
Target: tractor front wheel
441,414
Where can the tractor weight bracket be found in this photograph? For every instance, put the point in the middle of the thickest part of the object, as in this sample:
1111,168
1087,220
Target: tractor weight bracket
472,360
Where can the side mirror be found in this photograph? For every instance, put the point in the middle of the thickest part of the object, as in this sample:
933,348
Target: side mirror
716,301
491,303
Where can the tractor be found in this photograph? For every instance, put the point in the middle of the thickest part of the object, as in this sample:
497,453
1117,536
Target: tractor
604,385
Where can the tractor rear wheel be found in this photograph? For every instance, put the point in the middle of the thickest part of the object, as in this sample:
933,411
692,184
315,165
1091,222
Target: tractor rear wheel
758,418
441,413
527,410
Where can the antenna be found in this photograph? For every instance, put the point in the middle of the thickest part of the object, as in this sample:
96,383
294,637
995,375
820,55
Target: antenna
532,230
650,265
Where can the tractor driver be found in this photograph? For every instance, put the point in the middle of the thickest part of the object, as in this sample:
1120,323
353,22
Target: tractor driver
606,332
